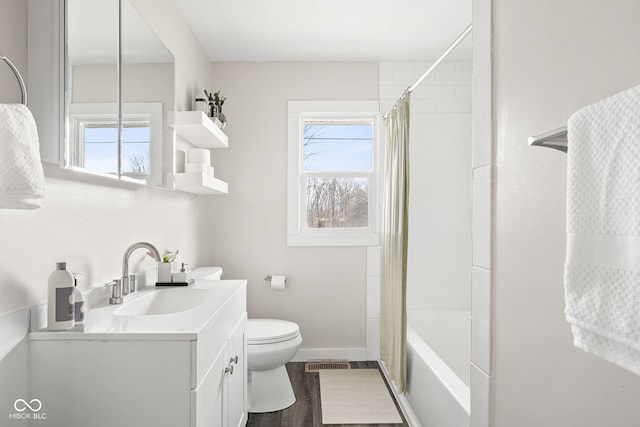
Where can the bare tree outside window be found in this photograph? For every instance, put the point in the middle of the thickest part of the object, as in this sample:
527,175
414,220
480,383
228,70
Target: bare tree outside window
337,149
337,203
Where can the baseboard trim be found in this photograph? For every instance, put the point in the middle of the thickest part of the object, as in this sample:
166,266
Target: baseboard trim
351,354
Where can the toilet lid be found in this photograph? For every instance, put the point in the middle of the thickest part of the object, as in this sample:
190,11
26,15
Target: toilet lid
267,331
208,273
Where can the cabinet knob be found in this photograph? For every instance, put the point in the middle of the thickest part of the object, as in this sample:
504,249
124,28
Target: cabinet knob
234,359
229,370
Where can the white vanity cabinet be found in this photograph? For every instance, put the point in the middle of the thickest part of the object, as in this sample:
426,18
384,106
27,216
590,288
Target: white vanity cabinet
173,378
220,400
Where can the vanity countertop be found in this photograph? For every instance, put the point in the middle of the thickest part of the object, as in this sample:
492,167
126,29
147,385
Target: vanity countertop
138,318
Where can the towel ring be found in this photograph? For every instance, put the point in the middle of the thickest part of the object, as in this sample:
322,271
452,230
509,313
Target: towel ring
23,88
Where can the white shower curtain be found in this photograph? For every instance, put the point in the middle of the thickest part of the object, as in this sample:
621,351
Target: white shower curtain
393,315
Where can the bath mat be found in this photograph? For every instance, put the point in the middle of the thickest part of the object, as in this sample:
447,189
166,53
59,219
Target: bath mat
318,365
356,396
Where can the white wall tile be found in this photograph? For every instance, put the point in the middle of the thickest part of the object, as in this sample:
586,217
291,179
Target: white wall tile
464,65
373,339
386,77
481,148
392,91
420,106
373,296
481,319
440,273
481,217
397,66
463,92
454,106
434,92
373,260
481,33
480,398
443,66
453,77
407,78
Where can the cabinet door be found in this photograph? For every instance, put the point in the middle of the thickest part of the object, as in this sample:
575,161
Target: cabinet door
210,398
238,380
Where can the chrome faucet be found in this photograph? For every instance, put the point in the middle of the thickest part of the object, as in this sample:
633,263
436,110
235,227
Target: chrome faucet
127,284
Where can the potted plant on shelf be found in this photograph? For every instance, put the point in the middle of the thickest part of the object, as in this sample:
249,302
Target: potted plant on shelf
215,107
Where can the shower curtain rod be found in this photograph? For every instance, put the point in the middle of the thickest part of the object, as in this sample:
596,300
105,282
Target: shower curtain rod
446,53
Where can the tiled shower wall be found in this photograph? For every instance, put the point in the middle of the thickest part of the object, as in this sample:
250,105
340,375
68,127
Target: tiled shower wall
439,253
439,273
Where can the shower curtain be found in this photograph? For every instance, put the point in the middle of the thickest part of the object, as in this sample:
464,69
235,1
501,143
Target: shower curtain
393,315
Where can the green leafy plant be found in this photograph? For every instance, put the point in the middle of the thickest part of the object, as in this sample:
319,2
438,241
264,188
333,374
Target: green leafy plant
216,99
169,256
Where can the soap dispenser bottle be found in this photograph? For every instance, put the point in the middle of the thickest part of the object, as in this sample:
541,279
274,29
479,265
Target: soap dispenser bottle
183,276
61,299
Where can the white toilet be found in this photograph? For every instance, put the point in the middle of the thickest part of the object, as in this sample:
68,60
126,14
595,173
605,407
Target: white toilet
207,273
270,344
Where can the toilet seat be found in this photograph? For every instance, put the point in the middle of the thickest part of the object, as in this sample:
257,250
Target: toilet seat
270,331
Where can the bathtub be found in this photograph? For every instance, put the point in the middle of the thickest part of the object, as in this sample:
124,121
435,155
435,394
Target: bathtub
438,366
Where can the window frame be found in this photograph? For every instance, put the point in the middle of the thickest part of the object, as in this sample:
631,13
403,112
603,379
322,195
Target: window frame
107,113
298,234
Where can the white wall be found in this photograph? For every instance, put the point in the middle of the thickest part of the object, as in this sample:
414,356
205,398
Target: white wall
89,225
550,59
439,253
246,230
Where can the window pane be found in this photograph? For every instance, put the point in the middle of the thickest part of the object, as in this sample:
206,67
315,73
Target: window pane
135,150
337,202
101,148
337,147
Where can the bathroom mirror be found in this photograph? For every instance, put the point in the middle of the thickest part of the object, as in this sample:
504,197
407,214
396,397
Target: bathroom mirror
119,87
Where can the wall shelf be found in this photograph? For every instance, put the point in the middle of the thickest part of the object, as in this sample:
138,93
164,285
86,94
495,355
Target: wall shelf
198,129
200,183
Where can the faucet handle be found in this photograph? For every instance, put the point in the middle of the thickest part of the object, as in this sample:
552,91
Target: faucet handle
116,291
132,283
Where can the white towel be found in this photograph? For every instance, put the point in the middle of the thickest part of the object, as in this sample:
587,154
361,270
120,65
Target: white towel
21,175
602,267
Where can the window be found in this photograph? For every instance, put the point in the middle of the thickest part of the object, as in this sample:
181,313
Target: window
99,147
333,167
93,140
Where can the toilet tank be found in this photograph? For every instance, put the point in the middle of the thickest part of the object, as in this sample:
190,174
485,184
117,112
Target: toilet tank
207,273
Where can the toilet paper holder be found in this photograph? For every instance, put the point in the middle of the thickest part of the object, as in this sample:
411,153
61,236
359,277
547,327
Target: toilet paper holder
269,277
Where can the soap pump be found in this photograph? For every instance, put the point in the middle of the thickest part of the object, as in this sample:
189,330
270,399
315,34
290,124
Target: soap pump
183,276
79,308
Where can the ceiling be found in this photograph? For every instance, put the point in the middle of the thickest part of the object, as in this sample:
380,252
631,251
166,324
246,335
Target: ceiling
328,30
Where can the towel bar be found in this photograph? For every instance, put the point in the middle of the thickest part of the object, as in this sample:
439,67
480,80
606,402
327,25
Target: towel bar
556,139
23,88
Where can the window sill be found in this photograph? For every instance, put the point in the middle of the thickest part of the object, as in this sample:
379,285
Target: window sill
357,239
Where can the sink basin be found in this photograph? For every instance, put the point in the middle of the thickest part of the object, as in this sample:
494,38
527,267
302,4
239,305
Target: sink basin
164,301
175,309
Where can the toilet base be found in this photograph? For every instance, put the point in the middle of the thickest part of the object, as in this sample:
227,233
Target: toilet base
270,390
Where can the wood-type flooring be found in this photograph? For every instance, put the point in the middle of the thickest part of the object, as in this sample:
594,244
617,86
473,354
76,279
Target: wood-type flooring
307,411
